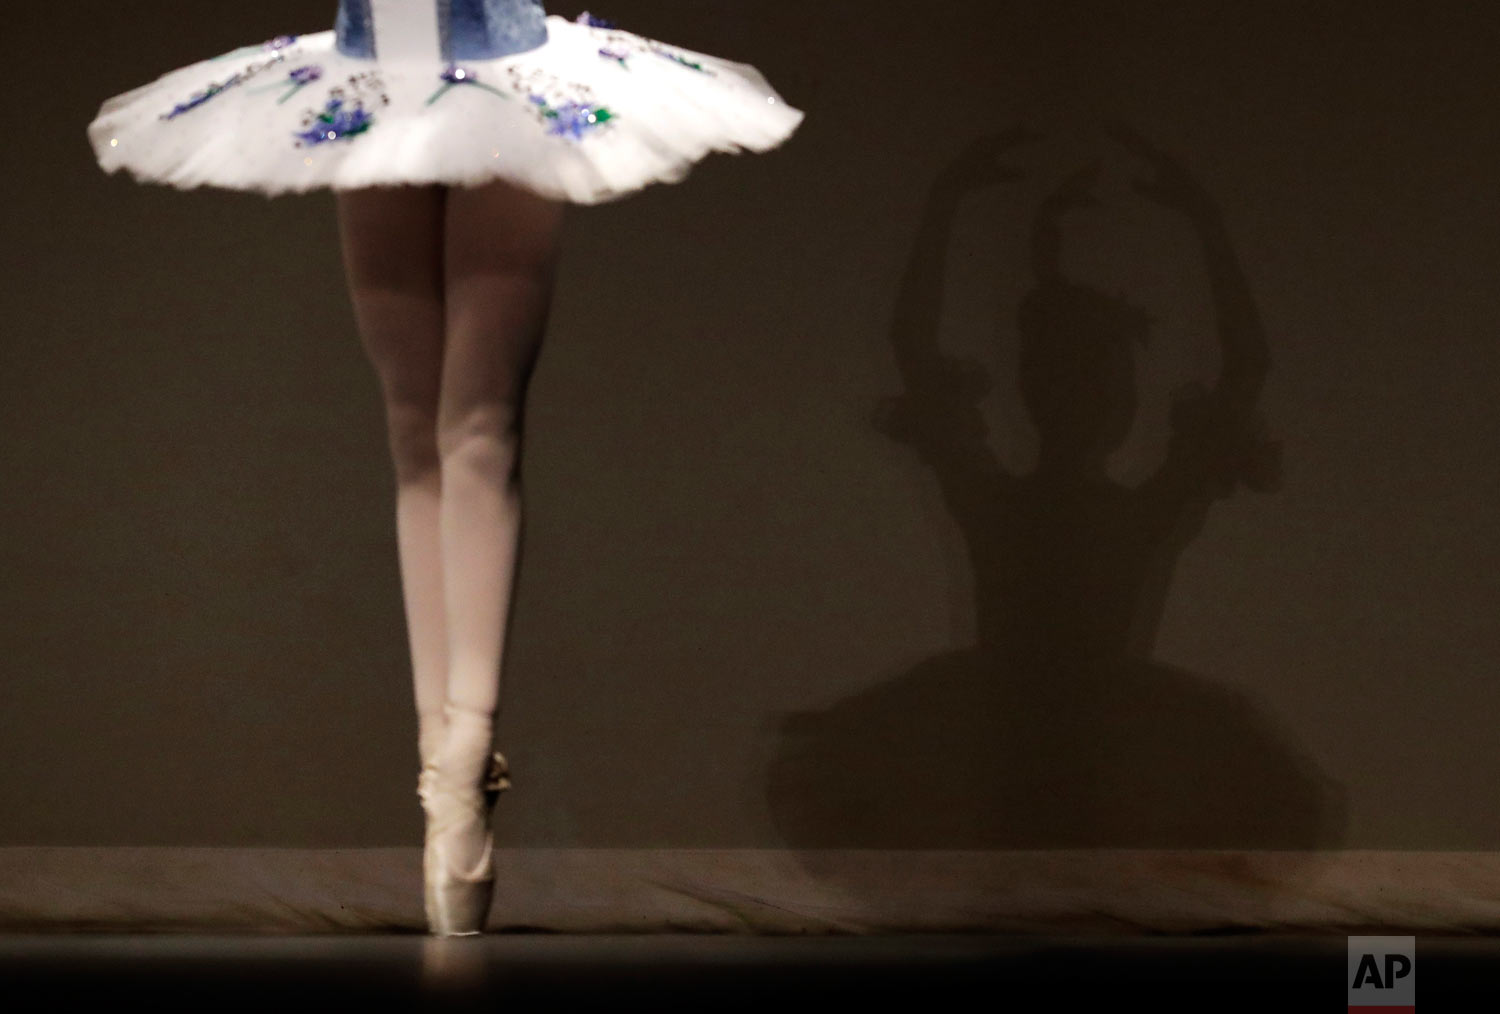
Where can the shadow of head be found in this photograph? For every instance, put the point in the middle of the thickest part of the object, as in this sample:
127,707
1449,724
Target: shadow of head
1076,370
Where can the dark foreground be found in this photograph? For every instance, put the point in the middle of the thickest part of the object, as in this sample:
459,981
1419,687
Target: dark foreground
503,972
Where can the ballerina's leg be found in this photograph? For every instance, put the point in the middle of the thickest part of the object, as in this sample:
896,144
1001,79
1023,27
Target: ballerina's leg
500,260
392,241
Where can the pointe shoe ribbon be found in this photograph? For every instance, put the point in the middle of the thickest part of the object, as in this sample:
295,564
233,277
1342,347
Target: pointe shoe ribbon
496,779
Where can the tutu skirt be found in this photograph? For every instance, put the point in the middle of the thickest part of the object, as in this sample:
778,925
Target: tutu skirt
591,114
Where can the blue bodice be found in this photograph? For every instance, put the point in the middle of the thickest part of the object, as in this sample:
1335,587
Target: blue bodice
465,29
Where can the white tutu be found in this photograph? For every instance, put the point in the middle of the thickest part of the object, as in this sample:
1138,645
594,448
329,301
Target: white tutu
590,115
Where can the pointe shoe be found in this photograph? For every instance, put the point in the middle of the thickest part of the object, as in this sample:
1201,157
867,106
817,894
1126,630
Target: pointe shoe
459,799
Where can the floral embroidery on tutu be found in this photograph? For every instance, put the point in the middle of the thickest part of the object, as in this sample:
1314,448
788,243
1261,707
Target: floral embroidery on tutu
620,46
214,88
565,108
344,115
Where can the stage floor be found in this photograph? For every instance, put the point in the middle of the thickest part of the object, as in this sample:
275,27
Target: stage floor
511,972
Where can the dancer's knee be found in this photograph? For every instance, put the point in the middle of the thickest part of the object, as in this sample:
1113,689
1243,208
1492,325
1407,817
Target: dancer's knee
489,431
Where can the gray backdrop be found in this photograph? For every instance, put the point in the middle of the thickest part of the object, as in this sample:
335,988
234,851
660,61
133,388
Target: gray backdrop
746,616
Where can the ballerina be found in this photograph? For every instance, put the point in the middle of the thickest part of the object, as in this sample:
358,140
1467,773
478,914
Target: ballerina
454,134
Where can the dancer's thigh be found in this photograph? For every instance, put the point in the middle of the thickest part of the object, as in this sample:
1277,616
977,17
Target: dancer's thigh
500,256
392,239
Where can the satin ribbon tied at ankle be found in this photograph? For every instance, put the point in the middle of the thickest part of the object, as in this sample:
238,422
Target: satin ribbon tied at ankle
496,779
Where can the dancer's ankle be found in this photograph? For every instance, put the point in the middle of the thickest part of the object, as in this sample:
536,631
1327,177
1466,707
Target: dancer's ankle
431,729
467,741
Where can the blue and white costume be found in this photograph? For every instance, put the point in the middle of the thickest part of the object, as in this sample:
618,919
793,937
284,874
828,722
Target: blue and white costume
457,92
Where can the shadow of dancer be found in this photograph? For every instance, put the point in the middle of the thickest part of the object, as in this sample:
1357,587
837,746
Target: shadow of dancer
1057,729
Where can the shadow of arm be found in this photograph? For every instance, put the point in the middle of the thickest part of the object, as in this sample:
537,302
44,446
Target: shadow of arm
1218,437
938,412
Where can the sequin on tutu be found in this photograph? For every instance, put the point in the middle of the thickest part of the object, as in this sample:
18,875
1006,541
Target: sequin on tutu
455,75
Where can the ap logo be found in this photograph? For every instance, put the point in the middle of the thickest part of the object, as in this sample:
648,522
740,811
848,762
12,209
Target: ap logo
1382,975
